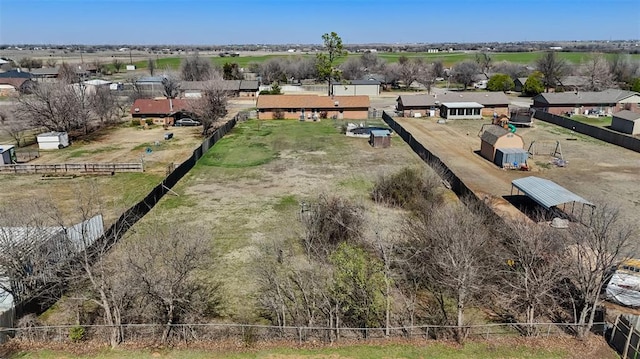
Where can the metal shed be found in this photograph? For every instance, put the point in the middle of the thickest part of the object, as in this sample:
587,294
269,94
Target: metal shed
511,157
550,195
380,138
7,154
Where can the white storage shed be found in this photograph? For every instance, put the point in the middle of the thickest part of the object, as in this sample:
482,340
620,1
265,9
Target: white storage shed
53,140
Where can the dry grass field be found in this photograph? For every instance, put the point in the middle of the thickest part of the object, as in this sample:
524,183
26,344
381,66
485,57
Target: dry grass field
245,194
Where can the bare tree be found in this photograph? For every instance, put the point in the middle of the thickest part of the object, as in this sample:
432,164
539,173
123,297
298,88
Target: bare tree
534,269
352,69
452,246
464,72
438,69
151,66
553,69
104,104
599,73
165,262
117,65
98,65
484,61
212,106
67,73
16,130
409,70
512,69
426,76
170,85
196,68
371,62
272,70
623,68
51,62
595,250
327,223
56,106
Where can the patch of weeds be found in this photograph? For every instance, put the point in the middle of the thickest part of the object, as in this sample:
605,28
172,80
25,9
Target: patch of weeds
286,203
545,165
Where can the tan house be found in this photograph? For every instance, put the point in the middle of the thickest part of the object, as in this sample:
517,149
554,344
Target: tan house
583,103
312,107
495,137
430,105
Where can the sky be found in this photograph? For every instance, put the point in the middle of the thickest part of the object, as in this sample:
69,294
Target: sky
220,22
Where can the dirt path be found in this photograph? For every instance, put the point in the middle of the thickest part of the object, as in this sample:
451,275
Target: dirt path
596,170
457,151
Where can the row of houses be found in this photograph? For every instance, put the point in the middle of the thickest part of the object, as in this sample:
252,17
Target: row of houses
298,107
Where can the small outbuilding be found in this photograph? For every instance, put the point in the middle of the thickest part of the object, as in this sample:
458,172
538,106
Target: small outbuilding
626,122
380,138
53,140
495,137
511,157
461,110
7,154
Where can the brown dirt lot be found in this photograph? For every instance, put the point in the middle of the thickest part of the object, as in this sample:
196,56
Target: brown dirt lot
596,170
129,144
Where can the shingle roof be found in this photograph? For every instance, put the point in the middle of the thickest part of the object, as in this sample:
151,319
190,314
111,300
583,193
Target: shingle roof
15,82
492,133
312,101
249,85
547,193
422,100
627,115
46,71
484,98
15,74
158,106
583,97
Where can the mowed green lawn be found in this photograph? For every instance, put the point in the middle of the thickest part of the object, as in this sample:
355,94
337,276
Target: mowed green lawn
434,350
390,57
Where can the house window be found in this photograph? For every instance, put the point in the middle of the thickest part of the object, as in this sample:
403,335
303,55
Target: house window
469,111
476,111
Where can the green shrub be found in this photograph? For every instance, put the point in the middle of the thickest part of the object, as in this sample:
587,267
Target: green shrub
77,334
135,122
148,121
409,188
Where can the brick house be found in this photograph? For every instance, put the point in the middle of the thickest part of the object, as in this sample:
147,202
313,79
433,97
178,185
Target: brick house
578,102
162,111
312,107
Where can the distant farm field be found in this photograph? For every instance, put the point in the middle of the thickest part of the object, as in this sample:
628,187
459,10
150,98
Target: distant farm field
390,57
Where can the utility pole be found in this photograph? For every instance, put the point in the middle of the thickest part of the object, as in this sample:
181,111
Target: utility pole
130,58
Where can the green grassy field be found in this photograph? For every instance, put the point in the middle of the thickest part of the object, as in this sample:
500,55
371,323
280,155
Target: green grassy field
593,121
447,58
476,350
